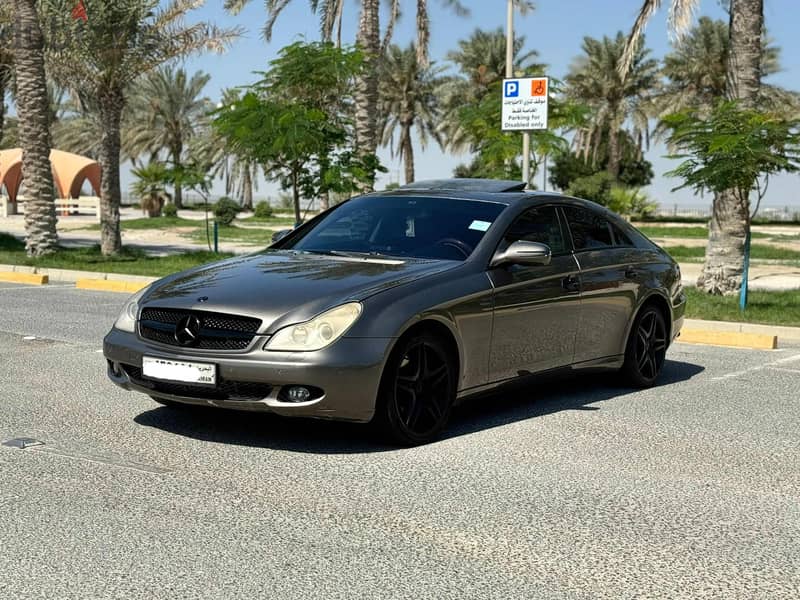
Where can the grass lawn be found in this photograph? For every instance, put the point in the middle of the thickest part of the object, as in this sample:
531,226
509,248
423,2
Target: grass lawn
770,308
757,252
260,237
129,262
147,223
702,233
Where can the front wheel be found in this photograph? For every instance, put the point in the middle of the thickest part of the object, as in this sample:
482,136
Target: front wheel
417,391
647,348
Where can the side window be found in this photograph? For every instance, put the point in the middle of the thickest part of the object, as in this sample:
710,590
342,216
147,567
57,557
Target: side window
621,238
536,225
589,229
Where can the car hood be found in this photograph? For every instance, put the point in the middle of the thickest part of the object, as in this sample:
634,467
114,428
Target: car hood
282,287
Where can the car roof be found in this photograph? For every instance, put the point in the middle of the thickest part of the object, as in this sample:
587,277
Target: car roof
487,190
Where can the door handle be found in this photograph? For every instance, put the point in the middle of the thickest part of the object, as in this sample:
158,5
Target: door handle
631,273
571,283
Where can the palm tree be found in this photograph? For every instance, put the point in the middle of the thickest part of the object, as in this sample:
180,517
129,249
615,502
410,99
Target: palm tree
730,219
594,80
408,100
99,60
166,112
34,129
6,60
696,72
481,61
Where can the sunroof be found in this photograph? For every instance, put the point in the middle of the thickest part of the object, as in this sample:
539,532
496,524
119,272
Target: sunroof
467,185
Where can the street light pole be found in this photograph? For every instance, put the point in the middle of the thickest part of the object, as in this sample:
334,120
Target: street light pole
526,136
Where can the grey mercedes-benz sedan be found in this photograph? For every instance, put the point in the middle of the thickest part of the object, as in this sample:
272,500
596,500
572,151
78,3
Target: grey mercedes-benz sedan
392,307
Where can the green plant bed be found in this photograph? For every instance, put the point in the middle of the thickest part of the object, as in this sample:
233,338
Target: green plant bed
758,252
261,237
150,223
770,308
130,261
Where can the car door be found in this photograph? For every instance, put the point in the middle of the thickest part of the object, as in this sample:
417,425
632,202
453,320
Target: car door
610,282
536,308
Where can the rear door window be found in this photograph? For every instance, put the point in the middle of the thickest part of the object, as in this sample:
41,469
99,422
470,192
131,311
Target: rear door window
589,229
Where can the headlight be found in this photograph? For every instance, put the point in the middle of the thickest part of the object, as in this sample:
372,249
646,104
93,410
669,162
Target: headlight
126,321
317,333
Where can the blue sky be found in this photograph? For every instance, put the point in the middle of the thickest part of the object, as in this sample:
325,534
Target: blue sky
555,29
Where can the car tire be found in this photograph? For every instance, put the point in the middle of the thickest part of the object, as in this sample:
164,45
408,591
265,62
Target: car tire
417,391
646,349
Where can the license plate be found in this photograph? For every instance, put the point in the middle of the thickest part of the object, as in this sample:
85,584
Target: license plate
178,370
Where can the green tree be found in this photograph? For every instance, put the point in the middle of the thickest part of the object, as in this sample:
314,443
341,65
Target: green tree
696,72
730,150
594,80
368,39
408,101
33,111
99,58
166,112
481,62
294,122
730,221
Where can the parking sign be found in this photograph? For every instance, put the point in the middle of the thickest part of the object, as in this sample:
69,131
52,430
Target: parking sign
525,104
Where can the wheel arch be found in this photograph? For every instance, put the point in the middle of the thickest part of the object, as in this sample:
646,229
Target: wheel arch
657,299
441,327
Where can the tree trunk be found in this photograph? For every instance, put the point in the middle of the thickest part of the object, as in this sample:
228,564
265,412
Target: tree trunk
613,152
296,196
366,92
176,162
33,110
247,188
110,115
730,222
407,150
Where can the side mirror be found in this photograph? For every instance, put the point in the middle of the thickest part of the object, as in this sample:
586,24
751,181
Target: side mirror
279,235
523,253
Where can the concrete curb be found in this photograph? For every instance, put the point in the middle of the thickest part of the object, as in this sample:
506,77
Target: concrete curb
784,333
29,278
755,341
103,285
71,276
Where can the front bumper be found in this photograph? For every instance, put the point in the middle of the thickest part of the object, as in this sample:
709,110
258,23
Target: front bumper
347,373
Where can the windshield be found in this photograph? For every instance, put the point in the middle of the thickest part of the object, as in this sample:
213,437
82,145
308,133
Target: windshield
418,227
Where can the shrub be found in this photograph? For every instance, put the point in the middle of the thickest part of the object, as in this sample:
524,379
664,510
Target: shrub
225,211
170,211
596,188
263,210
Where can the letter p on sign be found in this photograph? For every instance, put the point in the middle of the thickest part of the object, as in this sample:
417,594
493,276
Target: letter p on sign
512,89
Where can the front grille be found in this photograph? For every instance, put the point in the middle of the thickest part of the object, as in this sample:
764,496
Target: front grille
225,390
217,331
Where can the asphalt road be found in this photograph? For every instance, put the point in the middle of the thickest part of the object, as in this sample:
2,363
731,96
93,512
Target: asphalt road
572,489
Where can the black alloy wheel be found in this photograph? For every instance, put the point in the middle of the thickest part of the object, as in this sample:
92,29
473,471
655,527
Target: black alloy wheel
417,391
647,348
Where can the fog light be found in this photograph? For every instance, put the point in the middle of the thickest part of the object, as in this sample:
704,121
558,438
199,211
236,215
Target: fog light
299,394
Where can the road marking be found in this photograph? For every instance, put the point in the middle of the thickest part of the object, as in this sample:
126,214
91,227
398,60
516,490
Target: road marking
776,363
35,445
785,370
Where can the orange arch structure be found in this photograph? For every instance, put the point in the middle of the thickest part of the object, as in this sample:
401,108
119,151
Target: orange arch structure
69,172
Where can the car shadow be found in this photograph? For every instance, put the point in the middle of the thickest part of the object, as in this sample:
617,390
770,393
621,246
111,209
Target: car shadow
502,407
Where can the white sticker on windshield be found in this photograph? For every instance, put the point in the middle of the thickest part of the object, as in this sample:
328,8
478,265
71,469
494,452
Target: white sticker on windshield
480,225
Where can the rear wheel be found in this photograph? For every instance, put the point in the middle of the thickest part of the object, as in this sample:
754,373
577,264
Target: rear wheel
417,391
647,348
